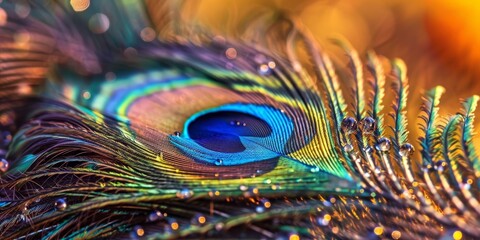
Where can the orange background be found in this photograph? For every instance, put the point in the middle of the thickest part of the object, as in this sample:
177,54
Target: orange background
438,39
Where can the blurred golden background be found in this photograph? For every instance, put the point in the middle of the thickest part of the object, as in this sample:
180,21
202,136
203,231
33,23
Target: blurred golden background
438,39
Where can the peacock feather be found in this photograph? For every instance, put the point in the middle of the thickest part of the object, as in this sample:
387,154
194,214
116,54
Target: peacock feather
108,131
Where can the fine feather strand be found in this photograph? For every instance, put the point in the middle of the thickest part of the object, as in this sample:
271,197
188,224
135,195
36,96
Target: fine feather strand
470,105
378,86
430,140
357,70
401,123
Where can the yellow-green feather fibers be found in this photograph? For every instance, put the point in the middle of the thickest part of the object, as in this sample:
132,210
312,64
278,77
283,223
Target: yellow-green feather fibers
430,140
401,122
378,86
470,105
357,70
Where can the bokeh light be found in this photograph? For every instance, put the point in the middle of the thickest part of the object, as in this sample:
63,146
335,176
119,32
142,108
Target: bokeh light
80,5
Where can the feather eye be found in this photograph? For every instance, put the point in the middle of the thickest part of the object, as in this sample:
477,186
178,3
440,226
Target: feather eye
253,132
241,117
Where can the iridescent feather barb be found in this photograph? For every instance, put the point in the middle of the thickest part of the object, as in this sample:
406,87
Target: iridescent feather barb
115,134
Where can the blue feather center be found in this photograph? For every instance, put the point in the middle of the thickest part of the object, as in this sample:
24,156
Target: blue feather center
235,134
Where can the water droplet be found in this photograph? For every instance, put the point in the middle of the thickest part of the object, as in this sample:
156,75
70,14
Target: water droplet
86,95
219,226
137,231
415,184
79,5
367,125
467,184
457,235
218,162
348,147
396,234
173,224
231,53
378,230
263,69
291,236
99,23
3,17
349,125
22,9
324,220
427,167
185,193
4,165
314,169
154,216
61,204
406,150
7,118
272,65
383,144
199,219
176,134
265,203
148,34
243,188
259,209
440,165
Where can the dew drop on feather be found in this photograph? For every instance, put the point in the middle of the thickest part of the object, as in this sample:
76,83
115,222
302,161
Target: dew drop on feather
61,204
4,165
383,144
349,125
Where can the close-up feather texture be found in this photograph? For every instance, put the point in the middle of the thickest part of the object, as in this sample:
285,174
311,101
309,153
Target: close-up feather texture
162,119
